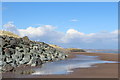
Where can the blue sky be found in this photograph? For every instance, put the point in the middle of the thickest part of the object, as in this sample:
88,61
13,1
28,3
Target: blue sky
92,17
84,17
60,0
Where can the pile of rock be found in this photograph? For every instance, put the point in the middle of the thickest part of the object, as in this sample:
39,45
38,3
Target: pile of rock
15,52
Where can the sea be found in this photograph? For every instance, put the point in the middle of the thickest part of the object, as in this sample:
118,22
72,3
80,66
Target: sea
103,50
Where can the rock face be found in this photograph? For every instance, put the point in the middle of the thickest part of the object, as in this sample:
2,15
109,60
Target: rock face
15,52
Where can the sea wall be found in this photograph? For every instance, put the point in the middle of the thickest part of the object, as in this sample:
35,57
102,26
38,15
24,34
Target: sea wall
15,52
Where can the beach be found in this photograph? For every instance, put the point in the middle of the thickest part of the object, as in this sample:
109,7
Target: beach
59,39
107,70
104,70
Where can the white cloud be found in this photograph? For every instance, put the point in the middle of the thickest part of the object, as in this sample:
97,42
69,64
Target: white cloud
115,32
10,27
44,33
38,31
73,31
74,20
71,38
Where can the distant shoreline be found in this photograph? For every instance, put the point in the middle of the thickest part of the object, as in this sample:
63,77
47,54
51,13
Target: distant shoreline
115,51
102,56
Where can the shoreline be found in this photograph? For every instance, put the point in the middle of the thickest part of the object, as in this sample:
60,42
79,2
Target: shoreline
101,56
103,70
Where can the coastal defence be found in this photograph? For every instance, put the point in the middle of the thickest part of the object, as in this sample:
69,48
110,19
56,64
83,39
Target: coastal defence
16,52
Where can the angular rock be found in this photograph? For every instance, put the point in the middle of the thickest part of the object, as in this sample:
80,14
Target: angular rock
9,60
28,72
7,52
7,38
7,68
13,42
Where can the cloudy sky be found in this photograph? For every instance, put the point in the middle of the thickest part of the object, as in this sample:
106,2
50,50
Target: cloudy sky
90,25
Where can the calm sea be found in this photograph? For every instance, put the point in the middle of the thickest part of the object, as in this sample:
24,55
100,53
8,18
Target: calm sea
102,50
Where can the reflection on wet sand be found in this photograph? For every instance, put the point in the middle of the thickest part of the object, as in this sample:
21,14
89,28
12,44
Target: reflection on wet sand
66,66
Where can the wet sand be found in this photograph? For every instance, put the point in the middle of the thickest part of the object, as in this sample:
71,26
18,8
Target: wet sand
102,56
106,70
100,71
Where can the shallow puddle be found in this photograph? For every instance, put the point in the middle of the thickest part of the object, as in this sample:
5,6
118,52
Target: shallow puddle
67,66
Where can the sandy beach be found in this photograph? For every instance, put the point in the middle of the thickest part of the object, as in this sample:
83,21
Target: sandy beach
60,39
105,70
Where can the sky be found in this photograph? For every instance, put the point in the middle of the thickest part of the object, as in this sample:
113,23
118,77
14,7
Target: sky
60,0
68,24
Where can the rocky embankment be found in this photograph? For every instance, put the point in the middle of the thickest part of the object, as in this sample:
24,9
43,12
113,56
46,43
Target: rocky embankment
15,52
